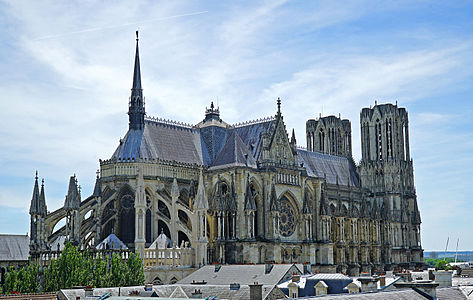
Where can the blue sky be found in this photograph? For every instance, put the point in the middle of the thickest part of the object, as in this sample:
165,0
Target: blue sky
67,71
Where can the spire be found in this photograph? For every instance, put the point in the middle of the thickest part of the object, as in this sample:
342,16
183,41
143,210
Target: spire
34,207
42,201
293,137
136,108
306,209
323,209
249,200
137,73
192,189
201,197
97,189
175,189
72,201
278,102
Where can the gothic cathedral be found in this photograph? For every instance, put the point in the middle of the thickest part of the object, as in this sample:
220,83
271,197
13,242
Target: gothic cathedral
246,193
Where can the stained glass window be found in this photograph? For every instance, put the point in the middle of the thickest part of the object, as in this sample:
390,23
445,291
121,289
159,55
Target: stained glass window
287,221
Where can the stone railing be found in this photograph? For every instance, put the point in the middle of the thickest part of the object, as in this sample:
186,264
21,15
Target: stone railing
150,168
173,257
44,258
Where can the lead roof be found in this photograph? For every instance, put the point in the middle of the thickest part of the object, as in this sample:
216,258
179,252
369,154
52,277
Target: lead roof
216,147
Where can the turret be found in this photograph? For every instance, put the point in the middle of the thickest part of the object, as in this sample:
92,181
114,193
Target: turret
71,206
330,135
38,211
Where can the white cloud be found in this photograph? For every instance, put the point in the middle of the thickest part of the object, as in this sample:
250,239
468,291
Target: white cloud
71,96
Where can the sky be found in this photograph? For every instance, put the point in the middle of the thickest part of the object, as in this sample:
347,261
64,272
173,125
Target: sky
66,73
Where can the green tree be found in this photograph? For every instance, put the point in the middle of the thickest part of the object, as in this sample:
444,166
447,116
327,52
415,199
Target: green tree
76,268
442,265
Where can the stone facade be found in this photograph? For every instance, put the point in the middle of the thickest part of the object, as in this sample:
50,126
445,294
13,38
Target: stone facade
246,193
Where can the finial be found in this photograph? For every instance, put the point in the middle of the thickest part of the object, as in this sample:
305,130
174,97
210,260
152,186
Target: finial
42,182
97,173
137,36
212,105
279,104
36,176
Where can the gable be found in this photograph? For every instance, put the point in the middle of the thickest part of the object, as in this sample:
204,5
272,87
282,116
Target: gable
279,147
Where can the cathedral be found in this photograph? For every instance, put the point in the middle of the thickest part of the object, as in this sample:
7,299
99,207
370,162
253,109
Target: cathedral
247,193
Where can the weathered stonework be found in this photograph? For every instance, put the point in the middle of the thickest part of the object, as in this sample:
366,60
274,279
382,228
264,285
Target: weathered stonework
246,193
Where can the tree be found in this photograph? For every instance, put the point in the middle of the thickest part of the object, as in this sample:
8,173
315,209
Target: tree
77,268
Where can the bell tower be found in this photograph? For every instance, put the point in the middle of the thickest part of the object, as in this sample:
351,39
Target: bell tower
386,171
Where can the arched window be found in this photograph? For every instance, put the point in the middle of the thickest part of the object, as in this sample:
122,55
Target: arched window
389,137
379,140
321,140
148,222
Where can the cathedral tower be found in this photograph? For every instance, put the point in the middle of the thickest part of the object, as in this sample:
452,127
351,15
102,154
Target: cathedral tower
385,149
329,135
136,107
386,170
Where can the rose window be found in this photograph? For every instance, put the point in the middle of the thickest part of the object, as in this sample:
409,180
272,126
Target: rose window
287,218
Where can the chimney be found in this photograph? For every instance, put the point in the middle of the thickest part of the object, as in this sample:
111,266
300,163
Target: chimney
368,284
89,291
256,291
296,277
196,294
382,281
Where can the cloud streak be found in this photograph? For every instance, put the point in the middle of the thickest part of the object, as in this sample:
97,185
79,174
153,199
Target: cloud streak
70,86
119,26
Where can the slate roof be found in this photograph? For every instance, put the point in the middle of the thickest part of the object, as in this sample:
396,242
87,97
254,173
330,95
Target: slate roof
335,282
174,290
161,141
216,147
14,247
329,166
234,152
242,274
252,136
450,293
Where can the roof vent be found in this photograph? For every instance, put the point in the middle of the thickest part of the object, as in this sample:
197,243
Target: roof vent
234,286
217,267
